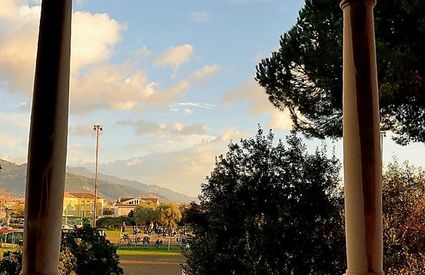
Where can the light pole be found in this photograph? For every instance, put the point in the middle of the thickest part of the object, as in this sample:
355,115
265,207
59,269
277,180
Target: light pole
98,128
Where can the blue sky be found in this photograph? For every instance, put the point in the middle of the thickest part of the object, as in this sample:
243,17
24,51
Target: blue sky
170,81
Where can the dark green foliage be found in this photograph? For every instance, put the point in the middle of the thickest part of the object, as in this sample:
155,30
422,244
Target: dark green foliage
194,215
95,255
144,215
114,222
269,209
83,251
305,74
404,219
11,263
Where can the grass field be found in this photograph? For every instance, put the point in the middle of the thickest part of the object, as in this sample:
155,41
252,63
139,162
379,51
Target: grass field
140,250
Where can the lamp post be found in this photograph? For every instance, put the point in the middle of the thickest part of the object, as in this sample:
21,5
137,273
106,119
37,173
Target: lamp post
97,128
362,156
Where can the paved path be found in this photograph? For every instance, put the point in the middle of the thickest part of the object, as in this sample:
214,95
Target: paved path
151,265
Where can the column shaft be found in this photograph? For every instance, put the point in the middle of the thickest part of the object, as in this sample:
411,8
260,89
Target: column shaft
48,141
362,158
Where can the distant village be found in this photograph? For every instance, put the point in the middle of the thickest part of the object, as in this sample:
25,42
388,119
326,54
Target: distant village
77,207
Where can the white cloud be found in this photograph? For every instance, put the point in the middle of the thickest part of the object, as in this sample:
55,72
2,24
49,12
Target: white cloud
117,87
183,170
18,37
93,39
204,73
175,57
258,104
187,130
144,127
95,83
206,106
11,142
188,112
187,107
17,120
144,52
134,162
200,16
82,130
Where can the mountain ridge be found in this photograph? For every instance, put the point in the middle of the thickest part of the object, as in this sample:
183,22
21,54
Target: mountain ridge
13,177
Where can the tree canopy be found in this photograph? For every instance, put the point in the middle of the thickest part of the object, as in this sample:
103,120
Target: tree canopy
403,206
93,253
169,214
269,209
305,74
145,214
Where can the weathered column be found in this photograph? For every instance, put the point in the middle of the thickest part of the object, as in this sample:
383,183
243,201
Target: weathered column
362,159
48,141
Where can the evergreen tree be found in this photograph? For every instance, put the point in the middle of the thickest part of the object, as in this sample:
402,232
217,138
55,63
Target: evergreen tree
305,74
269,209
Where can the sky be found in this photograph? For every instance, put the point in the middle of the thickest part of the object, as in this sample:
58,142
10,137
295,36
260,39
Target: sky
171,82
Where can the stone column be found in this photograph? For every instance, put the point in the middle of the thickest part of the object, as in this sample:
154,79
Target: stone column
48,141
362,158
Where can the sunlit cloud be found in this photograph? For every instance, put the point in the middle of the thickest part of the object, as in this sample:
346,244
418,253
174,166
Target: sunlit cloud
175,57
182,170
95,82
199,105
144,127
188,107
204,73
258,104
18,37
117,87
10,141
144,52
88,48
82,130
133,162
19,23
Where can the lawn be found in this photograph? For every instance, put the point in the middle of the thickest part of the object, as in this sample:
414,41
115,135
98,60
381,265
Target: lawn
148,250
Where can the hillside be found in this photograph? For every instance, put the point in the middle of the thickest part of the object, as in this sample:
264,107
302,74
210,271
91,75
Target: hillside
12,178
146,188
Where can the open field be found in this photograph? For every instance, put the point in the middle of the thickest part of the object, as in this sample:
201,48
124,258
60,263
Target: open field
151,264
148,250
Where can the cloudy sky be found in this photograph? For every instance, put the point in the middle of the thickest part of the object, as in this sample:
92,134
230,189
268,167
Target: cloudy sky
170,81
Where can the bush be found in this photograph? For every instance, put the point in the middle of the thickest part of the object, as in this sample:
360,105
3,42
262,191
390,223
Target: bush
94,254
114,222
83,251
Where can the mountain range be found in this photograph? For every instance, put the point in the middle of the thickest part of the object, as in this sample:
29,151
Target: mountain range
13,177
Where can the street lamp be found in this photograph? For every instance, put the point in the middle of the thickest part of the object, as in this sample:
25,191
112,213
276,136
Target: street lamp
97,128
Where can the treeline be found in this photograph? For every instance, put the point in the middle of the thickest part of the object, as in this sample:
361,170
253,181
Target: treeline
167,215
277,209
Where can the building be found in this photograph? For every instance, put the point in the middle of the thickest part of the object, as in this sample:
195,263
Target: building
81,205
124,205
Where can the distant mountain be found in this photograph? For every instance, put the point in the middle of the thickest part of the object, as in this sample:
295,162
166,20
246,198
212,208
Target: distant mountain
145,188
12,178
